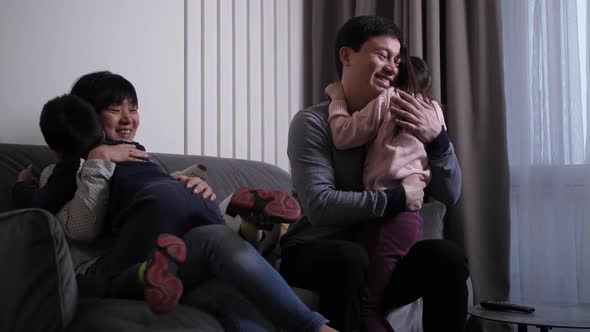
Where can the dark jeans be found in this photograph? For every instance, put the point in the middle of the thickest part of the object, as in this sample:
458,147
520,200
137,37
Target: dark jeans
435,270
386,242
173,212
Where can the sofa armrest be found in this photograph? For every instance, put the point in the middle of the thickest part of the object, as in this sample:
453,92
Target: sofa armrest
433,212
39,291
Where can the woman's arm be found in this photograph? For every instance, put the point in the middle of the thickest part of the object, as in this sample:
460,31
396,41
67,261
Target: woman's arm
83,216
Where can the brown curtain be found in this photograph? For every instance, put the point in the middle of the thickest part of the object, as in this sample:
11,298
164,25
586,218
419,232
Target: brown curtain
461,41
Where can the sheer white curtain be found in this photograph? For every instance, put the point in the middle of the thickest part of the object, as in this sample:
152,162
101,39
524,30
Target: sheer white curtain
546,66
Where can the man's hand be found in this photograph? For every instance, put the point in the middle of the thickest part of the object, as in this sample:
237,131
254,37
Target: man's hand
199,186
335,91
417,116
118,153
26,175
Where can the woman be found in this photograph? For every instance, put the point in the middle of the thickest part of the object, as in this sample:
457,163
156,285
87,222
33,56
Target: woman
111,260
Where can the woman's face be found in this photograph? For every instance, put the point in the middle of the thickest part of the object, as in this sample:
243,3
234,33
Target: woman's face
120,121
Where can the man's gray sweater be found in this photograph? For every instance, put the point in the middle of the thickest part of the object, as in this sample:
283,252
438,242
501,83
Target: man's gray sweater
328,182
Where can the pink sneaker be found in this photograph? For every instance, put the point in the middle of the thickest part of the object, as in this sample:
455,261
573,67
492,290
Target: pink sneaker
263,208
163,288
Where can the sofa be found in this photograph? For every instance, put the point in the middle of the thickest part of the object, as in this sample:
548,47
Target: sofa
38,286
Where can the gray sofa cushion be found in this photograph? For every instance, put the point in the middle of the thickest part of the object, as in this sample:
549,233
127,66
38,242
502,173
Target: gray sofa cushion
433,214
225,175
15,157
127,315
38,294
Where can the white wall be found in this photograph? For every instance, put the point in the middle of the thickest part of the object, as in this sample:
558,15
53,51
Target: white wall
244,69
45,45
240,89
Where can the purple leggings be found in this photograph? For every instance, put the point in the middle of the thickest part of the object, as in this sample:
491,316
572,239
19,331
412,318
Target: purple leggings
386,242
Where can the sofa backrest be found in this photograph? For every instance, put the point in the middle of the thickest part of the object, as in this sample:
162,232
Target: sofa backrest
224,175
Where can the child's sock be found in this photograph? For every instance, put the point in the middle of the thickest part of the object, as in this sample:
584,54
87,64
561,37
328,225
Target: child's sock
250,232
141,272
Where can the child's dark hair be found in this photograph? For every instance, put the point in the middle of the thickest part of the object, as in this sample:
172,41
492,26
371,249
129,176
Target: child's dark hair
422,74
414,77
102,89
70,126
358,30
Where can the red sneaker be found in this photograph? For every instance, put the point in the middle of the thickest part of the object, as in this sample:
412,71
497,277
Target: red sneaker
263,208
163,288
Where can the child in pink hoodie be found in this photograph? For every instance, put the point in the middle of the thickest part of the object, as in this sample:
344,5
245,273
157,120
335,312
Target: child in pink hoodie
394,156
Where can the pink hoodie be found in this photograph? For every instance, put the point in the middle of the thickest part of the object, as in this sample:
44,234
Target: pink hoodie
391,157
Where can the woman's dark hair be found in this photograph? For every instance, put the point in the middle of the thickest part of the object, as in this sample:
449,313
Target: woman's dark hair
70,126
103,88
358,30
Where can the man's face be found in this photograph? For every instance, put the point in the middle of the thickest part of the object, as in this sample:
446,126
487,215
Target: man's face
372,69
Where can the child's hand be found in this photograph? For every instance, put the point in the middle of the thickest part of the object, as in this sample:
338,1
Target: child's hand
414,186
335,91
393,97
26,175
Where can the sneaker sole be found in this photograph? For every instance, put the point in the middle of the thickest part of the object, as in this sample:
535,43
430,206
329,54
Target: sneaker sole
280,207
165,289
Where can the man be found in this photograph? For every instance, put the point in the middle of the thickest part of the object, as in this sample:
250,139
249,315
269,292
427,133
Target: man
322,252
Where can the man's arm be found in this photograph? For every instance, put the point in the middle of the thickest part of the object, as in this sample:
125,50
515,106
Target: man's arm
427,122
312,171
445,184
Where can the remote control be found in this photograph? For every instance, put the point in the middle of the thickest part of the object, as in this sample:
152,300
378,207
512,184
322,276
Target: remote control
506,306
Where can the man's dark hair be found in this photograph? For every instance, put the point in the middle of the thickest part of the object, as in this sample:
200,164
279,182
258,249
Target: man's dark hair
70,126
358,30
102,89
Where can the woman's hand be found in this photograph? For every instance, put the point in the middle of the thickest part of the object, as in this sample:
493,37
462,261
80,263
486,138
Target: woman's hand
26,175
199,186
118,153
417,116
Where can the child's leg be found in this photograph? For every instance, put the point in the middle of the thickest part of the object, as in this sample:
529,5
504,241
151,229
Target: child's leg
154,280
386,243
172,211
